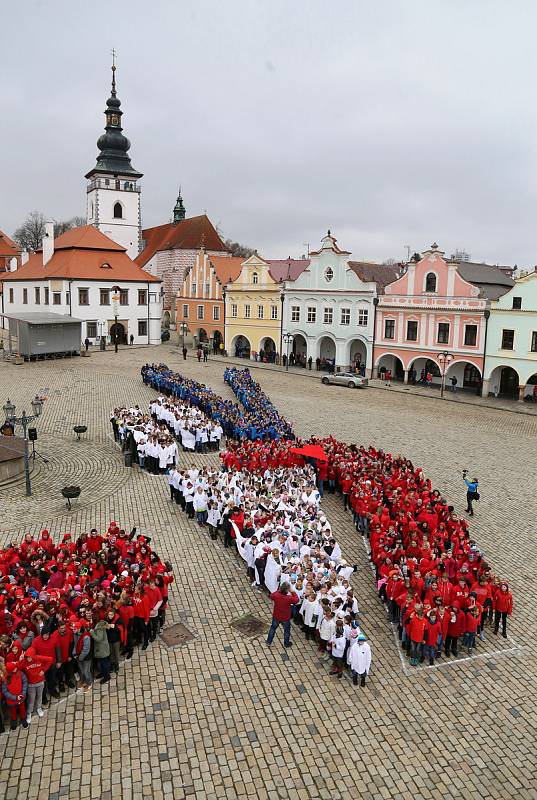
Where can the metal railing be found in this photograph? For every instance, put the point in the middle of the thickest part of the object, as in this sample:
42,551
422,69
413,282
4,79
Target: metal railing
111,183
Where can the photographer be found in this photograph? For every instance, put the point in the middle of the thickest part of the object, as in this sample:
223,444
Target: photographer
472,492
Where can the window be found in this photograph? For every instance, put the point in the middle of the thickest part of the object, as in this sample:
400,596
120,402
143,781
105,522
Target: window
91,330
104,297
142,327
194,289
363,316
37,295
430,282
83,297
67,298
207,290
152,297
56,299
274,312
412,330
255,277
234,310
260,312
295,313
25,296
443,333
534,342
517,302
124,297
472,377
328,316
201,312
508,339
470,335
216,313
118,211
142,297
11,295
247,311
185,310
345,316
312,314
389,329
328,274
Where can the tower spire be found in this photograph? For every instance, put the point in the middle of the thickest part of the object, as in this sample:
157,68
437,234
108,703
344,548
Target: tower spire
179,211
113,72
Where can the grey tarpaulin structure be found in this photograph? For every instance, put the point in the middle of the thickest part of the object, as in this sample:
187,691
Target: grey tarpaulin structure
42,334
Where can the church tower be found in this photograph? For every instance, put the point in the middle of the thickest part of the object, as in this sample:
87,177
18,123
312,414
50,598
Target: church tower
113,193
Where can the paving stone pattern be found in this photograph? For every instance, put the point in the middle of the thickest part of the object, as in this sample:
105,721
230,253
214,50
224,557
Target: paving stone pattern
224,716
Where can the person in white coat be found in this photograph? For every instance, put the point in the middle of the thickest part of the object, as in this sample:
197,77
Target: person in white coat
360,659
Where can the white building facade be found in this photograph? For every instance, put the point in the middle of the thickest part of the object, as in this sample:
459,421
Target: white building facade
329,310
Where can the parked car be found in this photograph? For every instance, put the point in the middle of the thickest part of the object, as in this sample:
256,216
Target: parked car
165,335
349,379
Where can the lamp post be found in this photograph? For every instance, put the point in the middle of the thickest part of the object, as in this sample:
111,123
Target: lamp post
288,339
115,308
445,358
24,421
183,328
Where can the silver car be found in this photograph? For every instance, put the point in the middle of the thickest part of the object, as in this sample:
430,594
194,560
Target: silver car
349,379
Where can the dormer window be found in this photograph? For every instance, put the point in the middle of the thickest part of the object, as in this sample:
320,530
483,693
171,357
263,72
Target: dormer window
430,282
106,265
255,277
328,274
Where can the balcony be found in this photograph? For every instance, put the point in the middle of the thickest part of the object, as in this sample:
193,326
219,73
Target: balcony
112,183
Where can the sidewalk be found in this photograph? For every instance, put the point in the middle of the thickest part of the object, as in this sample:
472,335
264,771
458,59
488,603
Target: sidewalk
460,397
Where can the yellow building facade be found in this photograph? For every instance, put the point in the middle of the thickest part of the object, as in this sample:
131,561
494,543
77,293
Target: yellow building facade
253,312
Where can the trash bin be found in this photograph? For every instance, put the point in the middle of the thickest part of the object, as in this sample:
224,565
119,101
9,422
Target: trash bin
128,458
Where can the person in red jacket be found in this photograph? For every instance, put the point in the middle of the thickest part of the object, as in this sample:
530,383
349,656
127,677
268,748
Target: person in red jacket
503,608
35,667
14,689
283,599
44,645
472,621
63,644
416,631
433,634
456,626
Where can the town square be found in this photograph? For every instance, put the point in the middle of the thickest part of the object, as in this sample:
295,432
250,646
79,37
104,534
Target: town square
268,401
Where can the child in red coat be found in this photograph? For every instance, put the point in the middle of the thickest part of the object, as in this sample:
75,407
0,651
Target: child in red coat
14,688
455,629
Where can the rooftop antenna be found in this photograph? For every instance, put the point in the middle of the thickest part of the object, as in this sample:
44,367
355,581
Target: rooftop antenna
307,244
407,248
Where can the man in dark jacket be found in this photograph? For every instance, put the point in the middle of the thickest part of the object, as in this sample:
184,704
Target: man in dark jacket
283,599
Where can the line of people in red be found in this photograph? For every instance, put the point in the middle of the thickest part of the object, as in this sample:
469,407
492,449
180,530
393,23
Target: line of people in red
70,610
438,588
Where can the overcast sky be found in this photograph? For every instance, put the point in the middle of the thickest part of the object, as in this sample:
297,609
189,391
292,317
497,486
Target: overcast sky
391,122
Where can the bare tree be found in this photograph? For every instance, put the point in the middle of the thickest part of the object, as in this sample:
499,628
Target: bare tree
62,226
30,234
237,249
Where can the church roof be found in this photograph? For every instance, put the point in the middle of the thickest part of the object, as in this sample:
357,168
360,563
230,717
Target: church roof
370,272
287,269
227,268
8,248
83,254
187,234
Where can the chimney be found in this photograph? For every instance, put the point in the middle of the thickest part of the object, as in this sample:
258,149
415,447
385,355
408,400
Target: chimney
25,255
12,264
48,243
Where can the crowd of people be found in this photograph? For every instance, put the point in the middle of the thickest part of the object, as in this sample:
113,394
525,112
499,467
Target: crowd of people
258,422
152,445
274,519
71,610
268,423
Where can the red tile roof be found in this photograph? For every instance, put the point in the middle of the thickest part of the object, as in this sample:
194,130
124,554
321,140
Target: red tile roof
8,248
80,254
287,269
188,234
227,268
381,274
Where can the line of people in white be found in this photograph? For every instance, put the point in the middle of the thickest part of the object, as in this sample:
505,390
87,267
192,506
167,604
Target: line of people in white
279,529
190,425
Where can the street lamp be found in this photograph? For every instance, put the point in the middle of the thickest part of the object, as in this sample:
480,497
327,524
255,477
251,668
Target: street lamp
24,420
115,307
183,328
445,358
288,340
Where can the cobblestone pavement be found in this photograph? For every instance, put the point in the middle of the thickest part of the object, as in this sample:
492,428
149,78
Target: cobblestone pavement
223,716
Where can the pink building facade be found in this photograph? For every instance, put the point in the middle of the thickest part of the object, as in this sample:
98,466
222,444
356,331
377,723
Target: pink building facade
428,311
